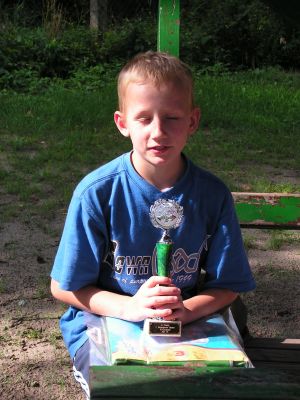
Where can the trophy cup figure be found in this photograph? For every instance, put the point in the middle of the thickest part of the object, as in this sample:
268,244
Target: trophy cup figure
166,215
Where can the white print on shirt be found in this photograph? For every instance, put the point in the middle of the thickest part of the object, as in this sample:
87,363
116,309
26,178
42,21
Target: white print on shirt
139,266
188,263
133,265
136,265
182,279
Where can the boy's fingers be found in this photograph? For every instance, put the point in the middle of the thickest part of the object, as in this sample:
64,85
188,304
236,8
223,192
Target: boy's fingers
157,313
163,292
161,286
163,302
157,280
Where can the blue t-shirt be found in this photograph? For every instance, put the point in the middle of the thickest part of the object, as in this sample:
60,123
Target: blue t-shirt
109,240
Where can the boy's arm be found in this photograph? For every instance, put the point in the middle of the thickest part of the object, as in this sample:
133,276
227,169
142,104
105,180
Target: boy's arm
154,299
90,298
208,302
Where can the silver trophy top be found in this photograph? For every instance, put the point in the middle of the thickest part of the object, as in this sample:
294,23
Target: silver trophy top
166,214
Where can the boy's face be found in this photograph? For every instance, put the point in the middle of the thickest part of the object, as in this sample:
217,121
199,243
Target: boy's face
159,122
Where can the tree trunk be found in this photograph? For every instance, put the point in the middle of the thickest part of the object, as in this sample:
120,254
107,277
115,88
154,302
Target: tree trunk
94,14
103,15
98,15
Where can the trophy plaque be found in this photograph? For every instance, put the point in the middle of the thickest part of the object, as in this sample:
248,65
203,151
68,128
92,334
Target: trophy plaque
165,215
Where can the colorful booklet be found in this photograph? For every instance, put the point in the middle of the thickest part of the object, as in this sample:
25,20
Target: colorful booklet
205,342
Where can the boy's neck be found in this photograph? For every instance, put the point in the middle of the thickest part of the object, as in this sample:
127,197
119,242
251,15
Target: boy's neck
163,178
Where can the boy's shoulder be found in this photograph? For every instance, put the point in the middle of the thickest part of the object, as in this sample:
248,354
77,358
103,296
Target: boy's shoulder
206,178
102,176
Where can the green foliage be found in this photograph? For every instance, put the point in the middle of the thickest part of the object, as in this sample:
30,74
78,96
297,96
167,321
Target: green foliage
31,59
58,95
34,50
278,239
3,289
42,43
237,33
250,121
32,333
249,241
50,140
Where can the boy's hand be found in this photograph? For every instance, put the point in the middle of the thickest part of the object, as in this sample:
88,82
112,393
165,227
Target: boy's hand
157,297
179,312
205,303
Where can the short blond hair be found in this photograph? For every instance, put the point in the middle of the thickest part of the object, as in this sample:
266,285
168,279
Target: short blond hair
158,68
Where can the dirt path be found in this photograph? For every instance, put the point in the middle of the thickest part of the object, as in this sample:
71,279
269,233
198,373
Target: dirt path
33,359
36,364
274,307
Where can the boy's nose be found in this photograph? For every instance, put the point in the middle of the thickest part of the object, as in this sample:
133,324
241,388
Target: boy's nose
157,128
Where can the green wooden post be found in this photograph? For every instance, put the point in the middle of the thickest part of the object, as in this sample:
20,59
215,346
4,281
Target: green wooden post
168,26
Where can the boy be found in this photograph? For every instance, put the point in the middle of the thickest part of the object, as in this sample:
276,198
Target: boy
105,261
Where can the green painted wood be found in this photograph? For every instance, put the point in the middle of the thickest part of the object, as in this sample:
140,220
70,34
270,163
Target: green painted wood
147,382
268,210
168,26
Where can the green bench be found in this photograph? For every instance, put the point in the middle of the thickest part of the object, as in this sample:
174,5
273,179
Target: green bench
277,360
271,211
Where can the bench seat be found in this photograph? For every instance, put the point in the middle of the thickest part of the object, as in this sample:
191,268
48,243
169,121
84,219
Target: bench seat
274,353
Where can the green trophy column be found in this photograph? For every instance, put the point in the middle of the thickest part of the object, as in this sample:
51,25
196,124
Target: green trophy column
165,214
163,257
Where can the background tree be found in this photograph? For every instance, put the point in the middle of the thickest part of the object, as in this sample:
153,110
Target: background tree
94,14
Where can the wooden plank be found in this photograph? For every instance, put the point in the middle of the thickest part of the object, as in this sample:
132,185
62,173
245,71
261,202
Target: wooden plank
278,343
168,26
148,382
274,352
282,356
268,210
276,365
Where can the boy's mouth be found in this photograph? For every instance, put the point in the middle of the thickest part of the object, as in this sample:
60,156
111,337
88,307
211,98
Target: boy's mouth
159,148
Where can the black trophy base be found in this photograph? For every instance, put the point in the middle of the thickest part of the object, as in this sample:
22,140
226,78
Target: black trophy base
160,327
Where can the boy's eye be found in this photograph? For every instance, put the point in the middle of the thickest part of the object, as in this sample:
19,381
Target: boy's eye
144,119
172,118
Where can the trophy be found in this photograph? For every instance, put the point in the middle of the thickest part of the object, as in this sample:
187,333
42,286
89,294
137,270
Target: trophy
166,215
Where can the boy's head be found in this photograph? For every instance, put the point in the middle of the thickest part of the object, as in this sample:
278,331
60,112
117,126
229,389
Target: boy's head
157,112
158,69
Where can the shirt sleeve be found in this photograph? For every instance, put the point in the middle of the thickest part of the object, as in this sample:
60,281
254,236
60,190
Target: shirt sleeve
227,264
78,259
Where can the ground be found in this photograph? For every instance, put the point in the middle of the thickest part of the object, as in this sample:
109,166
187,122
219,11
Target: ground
33,359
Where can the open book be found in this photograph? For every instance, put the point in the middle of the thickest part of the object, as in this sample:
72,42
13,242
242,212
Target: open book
205,342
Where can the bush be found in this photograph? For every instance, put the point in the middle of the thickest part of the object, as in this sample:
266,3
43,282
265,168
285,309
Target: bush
49,57
240,34
33,54
215,37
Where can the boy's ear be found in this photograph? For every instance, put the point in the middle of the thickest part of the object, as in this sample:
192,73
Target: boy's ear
195,119
120,121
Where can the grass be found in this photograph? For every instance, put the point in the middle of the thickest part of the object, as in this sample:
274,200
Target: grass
43,287
250,122
49,141
32,333
3,286
55,338
278,239
249,241
274,240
